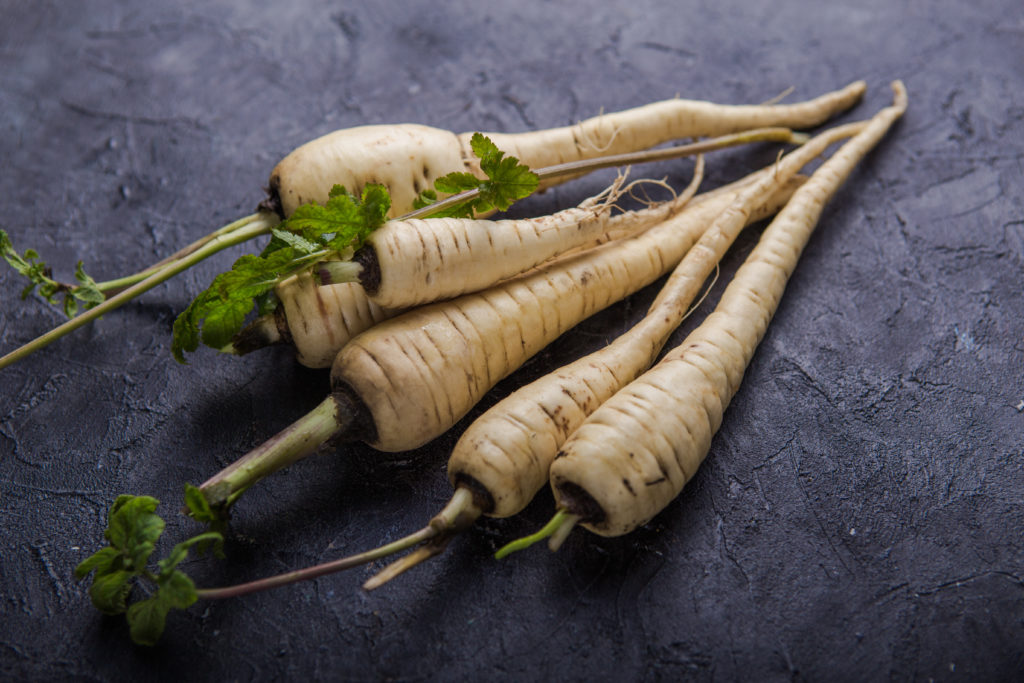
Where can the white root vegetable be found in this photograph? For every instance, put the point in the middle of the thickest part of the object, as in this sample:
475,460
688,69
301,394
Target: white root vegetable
411,261
508,450
438,360
319,320
539,407
503,457
435,259
407,380
635,453
408,158
407,263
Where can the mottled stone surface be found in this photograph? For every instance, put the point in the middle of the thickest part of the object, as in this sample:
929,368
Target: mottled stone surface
860,514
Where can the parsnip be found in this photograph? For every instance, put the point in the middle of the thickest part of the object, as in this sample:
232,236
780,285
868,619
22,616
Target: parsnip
635,453
408,158
407,380
503,457
425,260
508,450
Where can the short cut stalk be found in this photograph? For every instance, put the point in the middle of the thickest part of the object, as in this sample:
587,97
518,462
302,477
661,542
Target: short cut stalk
303,437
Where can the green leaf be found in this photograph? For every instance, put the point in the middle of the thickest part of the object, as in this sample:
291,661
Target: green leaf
224,321
376,202
119,503
180,551
109,592
424,198
123,517
198,507
70,306
312,233
177,590
457,182
103,561
485,150
185,333
146,620
296,241
87,291
28,265
16,260
507,179
134,528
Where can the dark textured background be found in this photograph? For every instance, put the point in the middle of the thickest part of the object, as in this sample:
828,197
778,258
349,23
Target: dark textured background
860,514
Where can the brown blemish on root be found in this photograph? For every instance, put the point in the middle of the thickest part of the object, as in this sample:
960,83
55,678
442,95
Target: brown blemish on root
577,501
482,498
272,202
369,276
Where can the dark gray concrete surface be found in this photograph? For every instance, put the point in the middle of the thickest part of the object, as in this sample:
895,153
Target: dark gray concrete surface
859,516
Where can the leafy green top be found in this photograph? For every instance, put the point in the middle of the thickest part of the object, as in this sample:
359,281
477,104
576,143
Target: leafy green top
39,275
507,181
133,528
315,233
311,234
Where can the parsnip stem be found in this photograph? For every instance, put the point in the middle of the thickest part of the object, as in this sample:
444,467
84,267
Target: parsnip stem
554,528
219,243
611,161
117,285
303,437
458,514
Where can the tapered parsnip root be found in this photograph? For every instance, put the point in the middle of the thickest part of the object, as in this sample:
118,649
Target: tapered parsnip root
504,456
508,450
635,453
347,309
411,262
407,380
408,158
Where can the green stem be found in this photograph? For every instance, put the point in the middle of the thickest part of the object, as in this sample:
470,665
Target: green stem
449,521
112,287
303,437
214,245
611,161
561,518
315,571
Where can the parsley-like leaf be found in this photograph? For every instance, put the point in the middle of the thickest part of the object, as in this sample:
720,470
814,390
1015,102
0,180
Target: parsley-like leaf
109,592
103,561
312,233
40,280
146,620
133,528
507,181
424,199
132,521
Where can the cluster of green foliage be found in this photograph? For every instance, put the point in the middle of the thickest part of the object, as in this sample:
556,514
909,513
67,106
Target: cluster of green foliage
133,528
314,233
40,280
